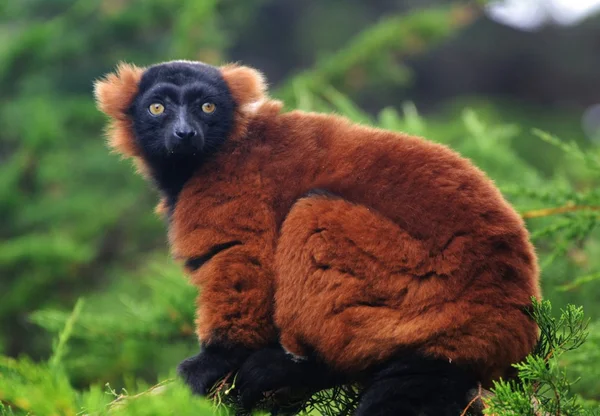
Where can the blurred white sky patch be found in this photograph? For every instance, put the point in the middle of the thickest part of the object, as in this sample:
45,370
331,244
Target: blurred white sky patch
591,123
532,14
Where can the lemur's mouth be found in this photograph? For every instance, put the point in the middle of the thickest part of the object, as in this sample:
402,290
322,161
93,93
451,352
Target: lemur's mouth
186,144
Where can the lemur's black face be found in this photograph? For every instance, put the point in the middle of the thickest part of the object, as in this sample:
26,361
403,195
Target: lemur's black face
182,109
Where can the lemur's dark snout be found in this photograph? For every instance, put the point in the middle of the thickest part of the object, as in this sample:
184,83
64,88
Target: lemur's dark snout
186,140
185,133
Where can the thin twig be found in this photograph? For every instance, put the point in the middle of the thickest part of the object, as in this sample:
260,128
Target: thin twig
216,390
473,400
546,212
123,397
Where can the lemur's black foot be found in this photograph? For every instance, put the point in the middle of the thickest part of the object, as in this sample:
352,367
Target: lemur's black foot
213,363
272,372
417,386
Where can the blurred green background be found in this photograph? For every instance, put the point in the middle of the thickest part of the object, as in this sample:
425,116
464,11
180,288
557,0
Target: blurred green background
77,222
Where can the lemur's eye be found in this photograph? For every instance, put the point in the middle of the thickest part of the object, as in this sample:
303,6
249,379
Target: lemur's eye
156,109
208,107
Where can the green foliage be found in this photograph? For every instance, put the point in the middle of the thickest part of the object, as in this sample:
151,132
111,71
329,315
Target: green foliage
376,53
77,221
45,389
139,333
543,386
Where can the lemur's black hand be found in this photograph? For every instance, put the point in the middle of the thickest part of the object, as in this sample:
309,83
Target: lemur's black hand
213,363
271,369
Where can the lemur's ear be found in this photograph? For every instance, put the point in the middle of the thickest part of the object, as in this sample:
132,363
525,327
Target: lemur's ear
249,90
116,91
114,94
247,85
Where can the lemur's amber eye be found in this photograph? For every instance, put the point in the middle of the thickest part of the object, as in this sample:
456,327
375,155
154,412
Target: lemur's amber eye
208,107
156,109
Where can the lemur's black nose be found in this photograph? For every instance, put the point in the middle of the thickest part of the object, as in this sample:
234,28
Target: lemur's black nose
185,133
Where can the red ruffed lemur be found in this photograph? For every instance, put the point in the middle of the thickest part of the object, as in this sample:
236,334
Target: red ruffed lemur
326,251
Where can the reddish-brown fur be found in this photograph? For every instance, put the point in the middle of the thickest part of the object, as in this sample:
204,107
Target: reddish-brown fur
415,248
